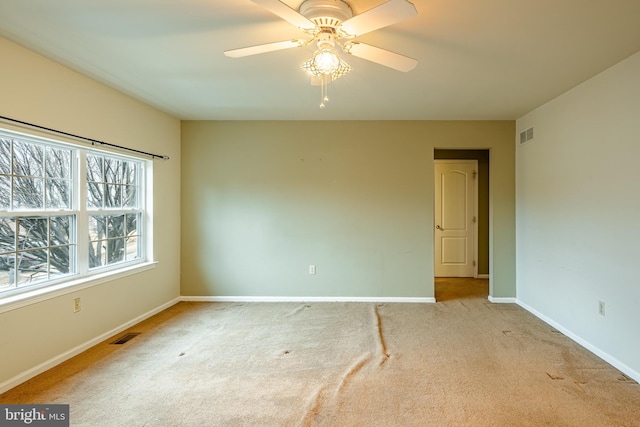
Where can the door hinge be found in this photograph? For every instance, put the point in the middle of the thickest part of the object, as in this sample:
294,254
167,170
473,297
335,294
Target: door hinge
474,219
475,173
474,263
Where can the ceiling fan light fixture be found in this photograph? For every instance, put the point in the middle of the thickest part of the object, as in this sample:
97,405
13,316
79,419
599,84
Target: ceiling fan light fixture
325,66
326,61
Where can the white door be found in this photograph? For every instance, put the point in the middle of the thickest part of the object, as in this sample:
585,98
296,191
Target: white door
455,218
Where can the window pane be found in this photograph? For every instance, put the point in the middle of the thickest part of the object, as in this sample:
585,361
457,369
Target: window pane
60,260
28,159
116,226
28,193
58,162
7,234
116,250
33,232
132,248
58,194
113,196
97,253
94,168
113,171
7,271
95,194
5,192
129,171
130,199
60,230
132,224
97,227
5,156
32,266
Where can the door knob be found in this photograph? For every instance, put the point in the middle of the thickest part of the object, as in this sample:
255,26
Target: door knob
439,228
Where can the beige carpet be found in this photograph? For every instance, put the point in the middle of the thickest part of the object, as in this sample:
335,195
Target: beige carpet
460,362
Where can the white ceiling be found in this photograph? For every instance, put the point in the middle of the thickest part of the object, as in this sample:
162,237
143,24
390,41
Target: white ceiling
489,59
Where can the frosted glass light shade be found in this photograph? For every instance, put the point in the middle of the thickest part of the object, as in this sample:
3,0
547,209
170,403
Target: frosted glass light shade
326,61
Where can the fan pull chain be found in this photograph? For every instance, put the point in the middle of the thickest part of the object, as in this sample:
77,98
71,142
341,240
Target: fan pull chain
324,90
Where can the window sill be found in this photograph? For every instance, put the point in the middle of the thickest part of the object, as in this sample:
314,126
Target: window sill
14,302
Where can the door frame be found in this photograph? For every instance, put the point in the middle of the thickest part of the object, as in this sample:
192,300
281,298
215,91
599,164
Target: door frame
475,208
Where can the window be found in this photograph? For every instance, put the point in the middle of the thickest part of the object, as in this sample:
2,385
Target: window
113,187
66,212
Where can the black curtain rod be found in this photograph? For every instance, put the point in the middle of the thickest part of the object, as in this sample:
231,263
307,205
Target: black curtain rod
92,141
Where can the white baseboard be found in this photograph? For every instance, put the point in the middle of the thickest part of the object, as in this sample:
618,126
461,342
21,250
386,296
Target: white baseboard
37,370
483,276
593,349
499,300
308,299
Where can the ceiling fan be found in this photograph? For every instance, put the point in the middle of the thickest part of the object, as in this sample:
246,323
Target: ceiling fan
331,23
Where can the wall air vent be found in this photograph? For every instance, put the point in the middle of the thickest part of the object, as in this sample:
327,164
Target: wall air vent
526,135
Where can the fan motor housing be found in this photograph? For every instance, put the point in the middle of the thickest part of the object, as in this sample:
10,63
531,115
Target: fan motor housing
326,13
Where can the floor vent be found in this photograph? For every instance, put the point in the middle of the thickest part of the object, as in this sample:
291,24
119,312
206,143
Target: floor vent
126,338
526,135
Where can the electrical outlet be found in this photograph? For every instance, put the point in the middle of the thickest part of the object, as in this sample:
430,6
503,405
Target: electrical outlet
312,269
601,308
76,305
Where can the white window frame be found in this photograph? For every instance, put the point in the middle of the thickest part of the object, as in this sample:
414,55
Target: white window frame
86,212
84,276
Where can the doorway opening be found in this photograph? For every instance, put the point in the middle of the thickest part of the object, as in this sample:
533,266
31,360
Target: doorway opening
459,288
474,282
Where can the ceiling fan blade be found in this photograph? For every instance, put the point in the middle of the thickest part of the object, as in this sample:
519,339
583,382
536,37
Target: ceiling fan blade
264,48
285,12
389,13
381,56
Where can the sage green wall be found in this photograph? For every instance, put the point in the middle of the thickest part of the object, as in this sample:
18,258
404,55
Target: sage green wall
482,156
577,222
261,201
40,91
